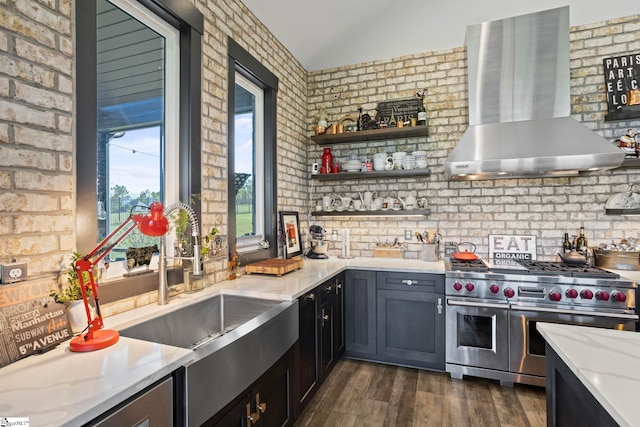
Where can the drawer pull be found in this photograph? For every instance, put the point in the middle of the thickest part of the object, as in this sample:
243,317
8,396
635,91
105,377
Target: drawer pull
409,282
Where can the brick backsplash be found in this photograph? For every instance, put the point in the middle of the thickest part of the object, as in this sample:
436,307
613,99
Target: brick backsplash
470,211
37,181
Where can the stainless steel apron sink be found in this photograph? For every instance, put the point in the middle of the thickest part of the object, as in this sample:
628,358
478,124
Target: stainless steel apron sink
235,339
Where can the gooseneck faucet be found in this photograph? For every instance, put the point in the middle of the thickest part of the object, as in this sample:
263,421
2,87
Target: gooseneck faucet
163,289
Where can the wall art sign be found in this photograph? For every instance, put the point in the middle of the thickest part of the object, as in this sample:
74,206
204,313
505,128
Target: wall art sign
30,321
402,109
512,248
621,75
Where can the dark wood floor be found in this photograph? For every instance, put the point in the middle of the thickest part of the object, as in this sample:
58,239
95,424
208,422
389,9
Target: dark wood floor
369,394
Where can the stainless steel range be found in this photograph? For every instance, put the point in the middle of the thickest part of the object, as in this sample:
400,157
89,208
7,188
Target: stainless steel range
492,311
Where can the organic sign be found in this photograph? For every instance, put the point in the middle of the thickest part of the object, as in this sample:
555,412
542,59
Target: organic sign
30,321
399,110
507,247
621,74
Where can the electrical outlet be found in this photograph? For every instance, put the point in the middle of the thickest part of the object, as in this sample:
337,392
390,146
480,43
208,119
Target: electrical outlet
14,272
407,234
334,235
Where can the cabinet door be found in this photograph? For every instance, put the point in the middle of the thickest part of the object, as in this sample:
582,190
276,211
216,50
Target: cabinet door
338,316
411,328
360,313
273,397
327,352
307,367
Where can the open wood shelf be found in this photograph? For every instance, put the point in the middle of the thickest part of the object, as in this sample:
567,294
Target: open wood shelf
402,173
624,113
389,212
622,211
371,135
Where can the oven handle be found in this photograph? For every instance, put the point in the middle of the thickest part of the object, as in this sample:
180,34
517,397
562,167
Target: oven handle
477,304
575,312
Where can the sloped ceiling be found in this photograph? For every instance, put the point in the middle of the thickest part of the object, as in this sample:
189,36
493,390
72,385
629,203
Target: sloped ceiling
334,33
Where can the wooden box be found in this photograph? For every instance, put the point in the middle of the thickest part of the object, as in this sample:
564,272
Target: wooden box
382,252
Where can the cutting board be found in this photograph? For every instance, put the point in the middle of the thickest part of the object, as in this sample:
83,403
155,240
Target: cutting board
274,266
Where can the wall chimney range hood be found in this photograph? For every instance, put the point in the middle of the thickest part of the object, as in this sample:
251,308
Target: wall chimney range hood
519,104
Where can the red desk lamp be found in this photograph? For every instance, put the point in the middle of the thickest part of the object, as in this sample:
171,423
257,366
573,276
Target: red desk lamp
153,224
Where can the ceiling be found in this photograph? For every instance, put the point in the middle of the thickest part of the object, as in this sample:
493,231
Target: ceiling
355,31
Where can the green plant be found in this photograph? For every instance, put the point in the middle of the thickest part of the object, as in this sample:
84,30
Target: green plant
71,291
208,239
180,220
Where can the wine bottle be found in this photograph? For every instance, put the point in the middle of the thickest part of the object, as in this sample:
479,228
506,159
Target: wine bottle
581,243
566,245
422,112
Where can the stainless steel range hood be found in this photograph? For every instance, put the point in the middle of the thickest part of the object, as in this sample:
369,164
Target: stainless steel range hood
519,104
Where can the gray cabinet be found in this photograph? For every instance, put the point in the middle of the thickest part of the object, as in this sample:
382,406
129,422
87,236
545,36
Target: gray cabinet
395,318
360,313
321,338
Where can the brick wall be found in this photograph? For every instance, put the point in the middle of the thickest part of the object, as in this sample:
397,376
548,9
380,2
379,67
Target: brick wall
470,211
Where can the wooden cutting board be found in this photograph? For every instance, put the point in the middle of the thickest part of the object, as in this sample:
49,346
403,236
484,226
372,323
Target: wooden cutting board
275,266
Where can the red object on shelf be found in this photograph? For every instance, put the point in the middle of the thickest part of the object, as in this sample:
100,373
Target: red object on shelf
153,224
327,160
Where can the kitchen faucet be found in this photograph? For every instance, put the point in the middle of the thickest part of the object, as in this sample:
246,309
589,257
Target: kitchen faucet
163,289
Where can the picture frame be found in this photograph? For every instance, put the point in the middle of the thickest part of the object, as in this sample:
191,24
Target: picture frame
290,226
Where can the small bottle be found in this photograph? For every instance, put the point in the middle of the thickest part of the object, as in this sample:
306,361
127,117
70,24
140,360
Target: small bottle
581,243
327,160
566,245
359,125
422,113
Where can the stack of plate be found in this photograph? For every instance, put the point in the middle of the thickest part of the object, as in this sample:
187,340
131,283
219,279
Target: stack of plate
352,166
409,162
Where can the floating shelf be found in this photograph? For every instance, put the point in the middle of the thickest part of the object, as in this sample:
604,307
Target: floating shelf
371,135
631,162
402,173
401,212
622,211
624,113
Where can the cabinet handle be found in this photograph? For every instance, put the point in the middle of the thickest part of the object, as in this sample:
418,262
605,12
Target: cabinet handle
310,296
338,286
439,306
328,288
325,317
262,406
253,417
409,282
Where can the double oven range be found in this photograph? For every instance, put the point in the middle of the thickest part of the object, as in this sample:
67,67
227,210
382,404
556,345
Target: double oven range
492,310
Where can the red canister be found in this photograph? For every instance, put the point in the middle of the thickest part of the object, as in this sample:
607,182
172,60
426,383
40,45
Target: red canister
327,159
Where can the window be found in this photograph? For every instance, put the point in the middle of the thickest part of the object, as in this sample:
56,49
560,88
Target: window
251,155
138,98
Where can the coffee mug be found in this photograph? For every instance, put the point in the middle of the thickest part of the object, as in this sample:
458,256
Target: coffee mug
327,202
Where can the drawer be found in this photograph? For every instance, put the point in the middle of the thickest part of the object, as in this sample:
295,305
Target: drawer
418,282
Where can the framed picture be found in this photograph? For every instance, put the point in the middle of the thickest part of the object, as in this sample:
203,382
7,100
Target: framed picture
291,230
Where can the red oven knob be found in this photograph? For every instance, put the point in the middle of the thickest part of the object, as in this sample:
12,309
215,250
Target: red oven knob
571,293
555,296
586,294
469,286
602,295
457,286
618,296
509,293
494,288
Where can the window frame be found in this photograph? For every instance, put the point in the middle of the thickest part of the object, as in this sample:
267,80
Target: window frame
241,61
190,23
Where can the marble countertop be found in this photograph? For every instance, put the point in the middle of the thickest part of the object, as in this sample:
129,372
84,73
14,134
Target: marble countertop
606,361
62,388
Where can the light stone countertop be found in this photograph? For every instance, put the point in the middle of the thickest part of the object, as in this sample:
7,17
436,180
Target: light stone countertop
63,388
606,361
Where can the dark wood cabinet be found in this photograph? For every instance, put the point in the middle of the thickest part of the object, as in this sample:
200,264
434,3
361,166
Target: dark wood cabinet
321,337
410,319
360,313
267,403
569,403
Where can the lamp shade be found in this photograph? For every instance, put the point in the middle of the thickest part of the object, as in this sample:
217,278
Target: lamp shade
155,223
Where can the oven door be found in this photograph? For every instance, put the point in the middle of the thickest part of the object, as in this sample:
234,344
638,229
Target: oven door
477,333
528,346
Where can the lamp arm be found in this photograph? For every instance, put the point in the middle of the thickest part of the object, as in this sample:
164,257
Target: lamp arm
88,262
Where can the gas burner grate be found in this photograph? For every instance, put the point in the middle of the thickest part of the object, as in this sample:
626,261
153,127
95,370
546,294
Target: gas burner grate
468,265
549,268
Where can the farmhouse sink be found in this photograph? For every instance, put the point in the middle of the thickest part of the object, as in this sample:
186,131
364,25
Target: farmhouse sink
235,339
196,325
